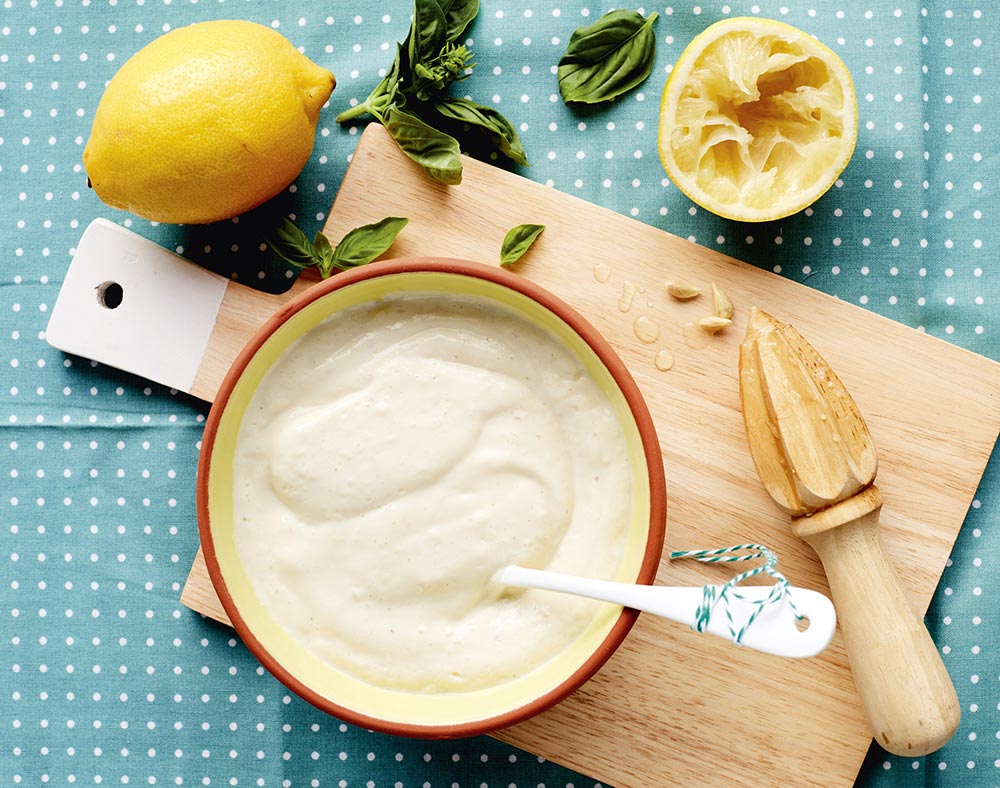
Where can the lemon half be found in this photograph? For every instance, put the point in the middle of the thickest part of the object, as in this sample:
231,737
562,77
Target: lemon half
757,120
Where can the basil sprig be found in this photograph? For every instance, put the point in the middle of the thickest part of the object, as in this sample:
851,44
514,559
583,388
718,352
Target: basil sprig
608,58
518,241
412,100
361,245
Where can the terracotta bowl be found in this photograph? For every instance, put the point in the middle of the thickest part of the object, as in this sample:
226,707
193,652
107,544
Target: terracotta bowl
436,715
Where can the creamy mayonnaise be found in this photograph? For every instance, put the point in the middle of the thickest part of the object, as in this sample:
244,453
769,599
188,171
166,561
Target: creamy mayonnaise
399,454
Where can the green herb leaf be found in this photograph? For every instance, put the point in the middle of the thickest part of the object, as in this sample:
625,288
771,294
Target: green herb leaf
428,32
293,245
518,241
500,130
458,15
324,254
363,244
322,245
607,58
438,153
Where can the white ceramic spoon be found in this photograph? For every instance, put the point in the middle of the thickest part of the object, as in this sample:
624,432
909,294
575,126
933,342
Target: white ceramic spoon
774,631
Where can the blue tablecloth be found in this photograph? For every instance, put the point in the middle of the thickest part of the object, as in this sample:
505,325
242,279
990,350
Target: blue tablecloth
107,679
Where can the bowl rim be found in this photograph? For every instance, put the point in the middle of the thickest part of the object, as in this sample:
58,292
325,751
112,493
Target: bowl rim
623,380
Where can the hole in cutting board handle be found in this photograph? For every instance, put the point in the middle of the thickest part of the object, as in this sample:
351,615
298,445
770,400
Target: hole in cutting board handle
110,295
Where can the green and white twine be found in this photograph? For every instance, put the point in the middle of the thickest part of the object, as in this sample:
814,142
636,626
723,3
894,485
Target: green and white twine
712,595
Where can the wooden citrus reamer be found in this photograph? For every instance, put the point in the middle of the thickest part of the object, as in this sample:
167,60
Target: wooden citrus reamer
815,456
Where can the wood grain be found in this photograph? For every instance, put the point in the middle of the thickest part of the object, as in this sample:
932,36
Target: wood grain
671,702
199,593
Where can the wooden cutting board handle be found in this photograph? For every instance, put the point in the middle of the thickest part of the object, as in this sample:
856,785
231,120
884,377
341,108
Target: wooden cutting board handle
904,687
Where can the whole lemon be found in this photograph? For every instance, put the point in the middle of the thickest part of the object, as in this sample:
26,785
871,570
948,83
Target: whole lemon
205,123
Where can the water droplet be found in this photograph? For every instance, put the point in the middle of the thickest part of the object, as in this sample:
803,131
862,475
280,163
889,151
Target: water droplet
627,296
602,272
694,337
646,330
663,360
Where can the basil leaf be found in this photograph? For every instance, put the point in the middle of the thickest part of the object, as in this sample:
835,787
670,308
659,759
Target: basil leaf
428,32
607,58
499,129
363,244
458,14
293,245
322,245
324,254
518,241
438,153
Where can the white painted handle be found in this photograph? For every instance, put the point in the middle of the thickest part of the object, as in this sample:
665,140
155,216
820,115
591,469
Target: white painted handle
774,631
130,303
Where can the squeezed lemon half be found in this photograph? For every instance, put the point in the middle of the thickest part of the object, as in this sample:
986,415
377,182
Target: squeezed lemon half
757,119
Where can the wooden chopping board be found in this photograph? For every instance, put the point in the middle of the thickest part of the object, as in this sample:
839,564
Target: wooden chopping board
674,708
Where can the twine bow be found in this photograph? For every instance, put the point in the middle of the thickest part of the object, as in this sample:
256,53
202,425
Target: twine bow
712,595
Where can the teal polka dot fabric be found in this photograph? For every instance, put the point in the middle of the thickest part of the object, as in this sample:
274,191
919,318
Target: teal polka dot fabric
105,679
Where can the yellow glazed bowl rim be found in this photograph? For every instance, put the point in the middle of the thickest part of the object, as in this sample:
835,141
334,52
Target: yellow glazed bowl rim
396,712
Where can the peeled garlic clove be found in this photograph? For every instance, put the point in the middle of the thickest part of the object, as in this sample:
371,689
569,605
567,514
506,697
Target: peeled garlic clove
713,324
683,291
723,306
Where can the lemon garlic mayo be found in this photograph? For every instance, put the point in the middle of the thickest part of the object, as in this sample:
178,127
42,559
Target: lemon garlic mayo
399,454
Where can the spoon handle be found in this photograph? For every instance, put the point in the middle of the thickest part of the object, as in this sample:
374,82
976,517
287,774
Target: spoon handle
775,630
